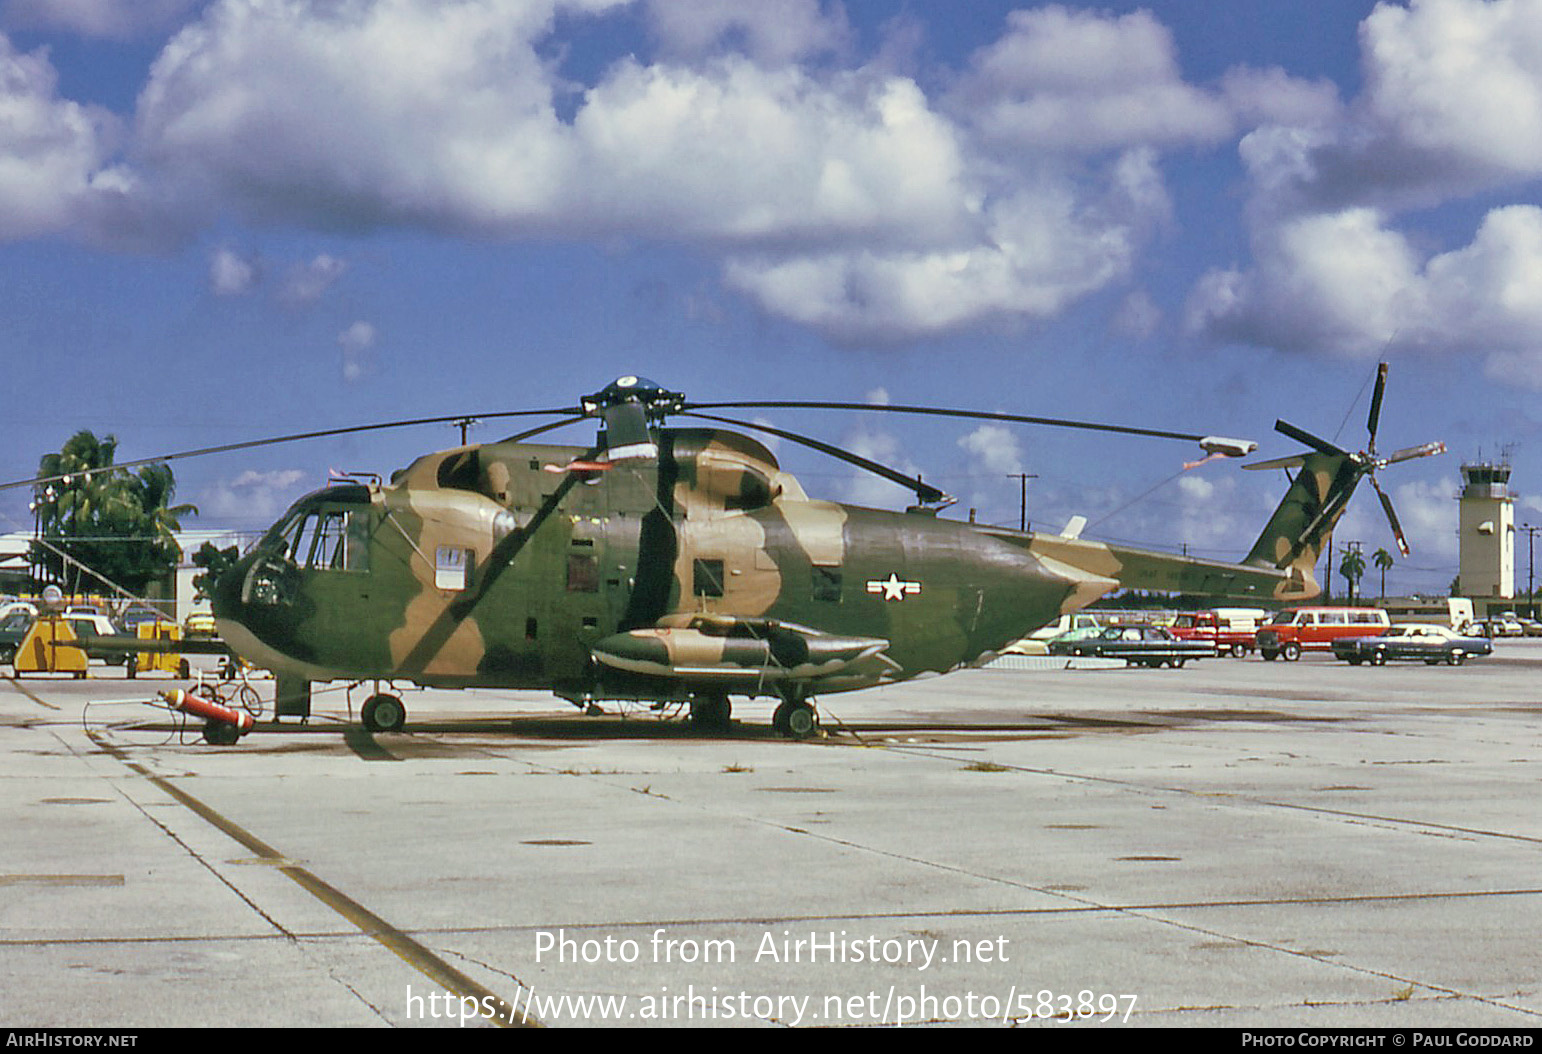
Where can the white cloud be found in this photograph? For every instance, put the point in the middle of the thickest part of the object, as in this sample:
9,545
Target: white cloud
231,274
871,490
995,448
1082,80
1078,80
252,497
844,199
309,281
1452,105
356,343
1428,512
837,195
1044,248
52,151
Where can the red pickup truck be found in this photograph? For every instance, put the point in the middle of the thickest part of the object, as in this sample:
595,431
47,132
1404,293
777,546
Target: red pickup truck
1231,630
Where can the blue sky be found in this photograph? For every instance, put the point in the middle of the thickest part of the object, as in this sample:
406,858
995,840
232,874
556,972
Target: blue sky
220,221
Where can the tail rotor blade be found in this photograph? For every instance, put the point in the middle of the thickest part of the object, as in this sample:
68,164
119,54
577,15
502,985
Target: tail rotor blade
1302,436
1409,453
1375,419
1293,461
1397,528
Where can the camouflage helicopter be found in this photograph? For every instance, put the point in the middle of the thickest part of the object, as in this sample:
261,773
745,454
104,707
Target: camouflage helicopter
682,565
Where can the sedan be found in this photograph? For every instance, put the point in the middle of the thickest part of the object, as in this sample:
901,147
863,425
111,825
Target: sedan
1142,646
1433,644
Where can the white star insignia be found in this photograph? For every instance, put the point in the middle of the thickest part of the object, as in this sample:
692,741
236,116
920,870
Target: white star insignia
892,587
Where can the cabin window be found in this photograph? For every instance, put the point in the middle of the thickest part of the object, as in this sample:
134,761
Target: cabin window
827,583
583,573
708,578
452,567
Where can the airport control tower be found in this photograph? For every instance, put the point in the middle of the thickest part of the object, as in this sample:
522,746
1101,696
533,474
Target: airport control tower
1487,531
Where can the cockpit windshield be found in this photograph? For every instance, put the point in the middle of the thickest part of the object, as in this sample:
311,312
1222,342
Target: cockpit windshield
325,531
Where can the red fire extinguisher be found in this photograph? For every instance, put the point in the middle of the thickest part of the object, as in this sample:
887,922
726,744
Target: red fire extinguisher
222,725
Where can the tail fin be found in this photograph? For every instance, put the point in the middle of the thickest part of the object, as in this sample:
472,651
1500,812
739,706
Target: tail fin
1297,533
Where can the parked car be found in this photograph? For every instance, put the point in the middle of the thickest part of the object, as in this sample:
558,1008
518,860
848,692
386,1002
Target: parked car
1141,646
11,607
199,624
1295,630
1433,644
1063,644
1502,626
13,628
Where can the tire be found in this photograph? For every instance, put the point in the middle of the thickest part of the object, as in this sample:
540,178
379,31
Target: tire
1378,658
795,720
1290,652
220,734
1269,654
1239,651
1457,657
383,713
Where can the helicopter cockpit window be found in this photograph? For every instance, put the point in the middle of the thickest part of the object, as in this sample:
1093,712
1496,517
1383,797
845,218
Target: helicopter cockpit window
335,540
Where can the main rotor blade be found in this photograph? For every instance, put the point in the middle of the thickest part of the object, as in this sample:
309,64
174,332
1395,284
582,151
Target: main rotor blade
937,411
1397,528
226,448
1302,436
924,492
1375,418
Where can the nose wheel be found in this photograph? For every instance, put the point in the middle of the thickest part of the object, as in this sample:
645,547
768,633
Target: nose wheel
383,713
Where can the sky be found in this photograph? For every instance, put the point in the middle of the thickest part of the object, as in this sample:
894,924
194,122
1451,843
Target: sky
227,220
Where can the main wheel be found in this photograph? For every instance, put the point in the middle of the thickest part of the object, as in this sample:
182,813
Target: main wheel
383,713
1378,658
795,720
1269,654
1457,657
1290,651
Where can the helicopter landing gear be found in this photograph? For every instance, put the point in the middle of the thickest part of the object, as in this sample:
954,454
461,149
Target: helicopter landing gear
383,713
712,713
796,717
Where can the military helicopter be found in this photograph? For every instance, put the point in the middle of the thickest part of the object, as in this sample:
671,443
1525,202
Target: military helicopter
682,565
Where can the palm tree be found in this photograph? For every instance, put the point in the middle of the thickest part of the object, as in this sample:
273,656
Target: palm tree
1383,561
116,527
1352,567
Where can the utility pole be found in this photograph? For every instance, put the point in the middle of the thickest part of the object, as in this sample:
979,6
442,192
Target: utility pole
1531,596
1022,512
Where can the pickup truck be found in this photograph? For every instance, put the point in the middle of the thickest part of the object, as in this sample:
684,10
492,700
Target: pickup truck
1231,630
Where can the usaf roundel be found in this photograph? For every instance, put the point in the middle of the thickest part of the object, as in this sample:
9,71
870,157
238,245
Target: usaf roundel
892,588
